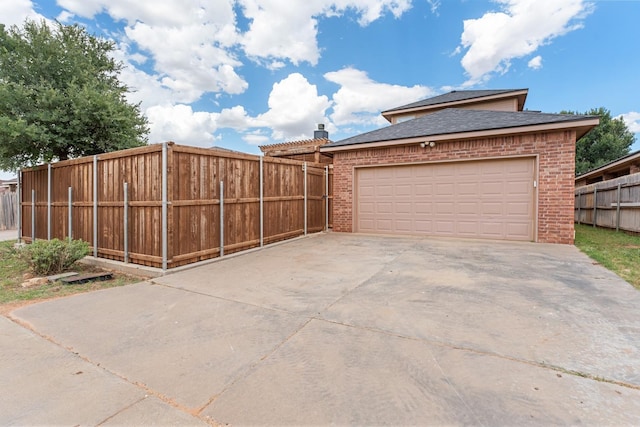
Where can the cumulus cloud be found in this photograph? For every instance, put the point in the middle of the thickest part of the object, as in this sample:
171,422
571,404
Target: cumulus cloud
360,99
180,124
296,25
294,106
16,11
189,42
517,30
632,120
535,62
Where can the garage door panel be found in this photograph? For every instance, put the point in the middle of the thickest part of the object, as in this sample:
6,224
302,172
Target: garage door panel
486,199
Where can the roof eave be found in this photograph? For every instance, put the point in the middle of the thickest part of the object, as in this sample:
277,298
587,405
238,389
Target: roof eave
580,126
630,159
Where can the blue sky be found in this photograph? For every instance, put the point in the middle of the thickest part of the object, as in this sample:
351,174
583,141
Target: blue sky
241,73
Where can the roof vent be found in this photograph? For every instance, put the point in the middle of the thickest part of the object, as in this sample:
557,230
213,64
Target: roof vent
320,133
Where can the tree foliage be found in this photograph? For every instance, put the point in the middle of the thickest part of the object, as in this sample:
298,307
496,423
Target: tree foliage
60,96
608,141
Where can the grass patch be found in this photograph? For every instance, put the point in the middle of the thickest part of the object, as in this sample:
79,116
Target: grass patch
617,251
13,267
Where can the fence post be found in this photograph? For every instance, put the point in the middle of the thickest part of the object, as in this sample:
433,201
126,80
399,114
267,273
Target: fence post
221,219
304,168
261,202
95,206
126,222
326,198
579,205
19,191
595,204
618,210
164,207
70,215
48,201
33,215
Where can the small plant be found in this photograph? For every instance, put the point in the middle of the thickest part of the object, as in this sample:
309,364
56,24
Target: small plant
47,257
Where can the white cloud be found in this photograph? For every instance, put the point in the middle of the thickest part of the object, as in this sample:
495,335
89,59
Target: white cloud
285,29
517,30
632,120
189,42
14,12
256,138
360,99
180,124
535,62
294,108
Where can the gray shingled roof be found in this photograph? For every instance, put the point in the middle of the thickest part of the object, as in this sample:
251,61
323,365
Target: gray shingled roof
456,95
457,120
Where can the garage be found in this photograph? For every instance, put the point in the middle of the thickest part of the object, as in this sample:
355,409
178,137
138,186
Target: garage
490,199
469,163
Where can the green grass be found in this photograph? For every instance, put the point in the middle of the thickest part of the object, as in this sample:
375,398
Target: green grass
617,251
12,268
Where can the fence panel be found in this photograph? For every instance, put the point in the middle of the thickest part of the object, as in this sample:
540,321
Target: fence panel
194,178
600,201
8,211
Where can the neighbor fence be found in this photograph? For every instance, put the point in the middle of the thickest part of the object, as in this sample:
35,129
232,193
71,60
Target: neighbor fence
611,204
8,211
167,205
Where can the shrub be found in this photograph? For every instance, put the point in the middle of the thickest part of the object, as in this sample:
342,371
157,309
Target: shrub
47,257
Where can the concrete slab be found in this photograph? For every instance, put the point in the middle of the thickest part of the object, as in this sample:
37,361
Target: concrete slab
547,304
353,329
151,411
321,376
181,345
8,235
304,276
44,384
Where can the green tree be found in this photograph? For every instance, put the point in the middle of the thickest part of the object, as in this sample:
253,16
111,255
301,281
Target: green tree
60,96
610,140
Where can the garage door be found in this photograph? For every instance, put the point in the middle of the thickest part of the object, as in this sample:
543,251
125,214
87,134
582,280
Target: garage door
492,199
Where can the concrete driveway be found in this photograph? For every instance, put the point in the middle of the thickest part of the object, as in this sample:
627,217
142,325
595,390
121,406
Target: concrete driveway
338,329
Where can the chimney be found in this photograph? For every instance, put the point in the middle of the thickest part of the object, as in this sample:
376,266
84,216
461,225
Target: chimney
320,133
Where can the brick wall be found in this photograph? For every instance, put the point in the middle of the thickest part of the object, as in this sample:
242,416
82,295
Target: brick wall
556,168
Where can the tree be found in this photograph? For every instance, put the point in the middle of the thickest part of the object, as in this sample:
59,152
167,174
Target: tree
60,96
608,141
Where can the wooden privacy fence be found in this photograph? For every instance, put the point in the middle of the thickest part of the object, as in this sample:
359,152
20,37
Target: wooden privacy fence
611,204
8,211
167,205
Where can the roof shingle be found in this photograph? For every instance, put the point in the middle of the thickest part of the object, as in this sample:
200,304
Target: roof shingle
457,120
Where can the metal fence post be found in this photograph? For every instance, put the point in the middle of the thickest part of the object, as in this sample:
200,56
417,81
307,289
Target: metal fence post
221,218
164,207
618,210
595,204
70,234
33,215
261,202
95,206
126,222
49,201
19,191
304,168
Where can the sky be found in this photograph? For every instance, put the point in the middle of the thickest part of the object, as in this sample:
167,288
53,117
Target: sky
243,73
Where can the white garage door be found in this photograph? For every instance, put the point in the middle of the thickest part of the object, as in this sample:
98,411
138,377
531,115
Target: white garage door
492,199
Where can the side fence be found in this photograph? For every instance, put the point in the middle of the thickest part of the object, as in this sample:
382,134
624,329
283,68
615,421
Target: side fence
610,204
167,205
8,211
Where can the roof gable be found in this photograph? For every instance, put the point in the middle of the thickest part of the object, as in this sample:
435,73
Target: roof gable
459,121
458,99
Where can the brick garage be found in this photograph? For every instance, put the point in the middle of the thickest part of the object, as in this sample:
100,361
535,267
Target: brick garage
461,137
